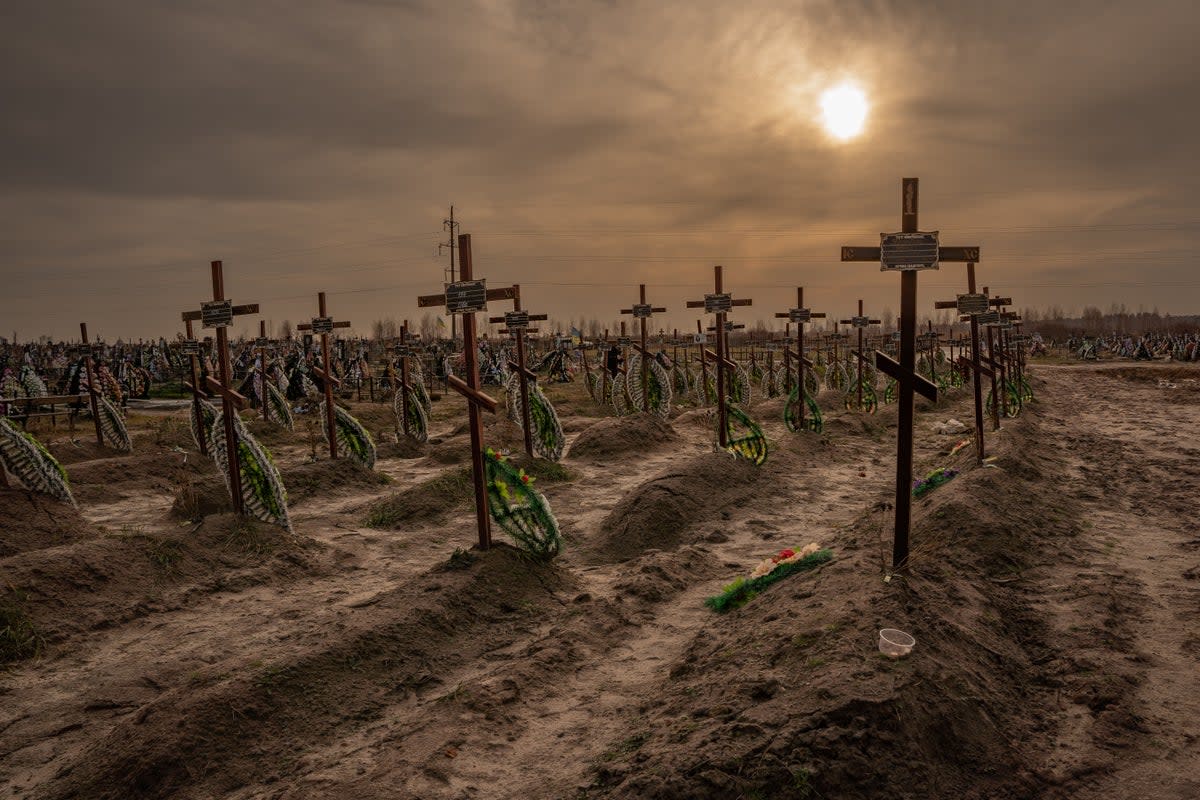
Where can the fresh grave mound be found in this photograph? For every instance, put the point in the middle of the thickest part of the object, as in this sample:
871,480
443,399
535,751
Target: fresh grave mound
618,436
315,478
657,513
403,447
33,521
76,447
162,471
119,576
255,717
789,696
429,501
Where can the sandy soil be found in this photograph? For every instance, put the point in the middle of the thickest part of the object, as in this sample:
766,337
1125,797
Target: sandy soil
1052,594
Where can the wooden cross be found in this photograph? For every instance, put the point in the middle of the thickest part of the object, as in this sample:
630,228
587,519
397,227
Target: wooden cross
932,340
91,377
324,325
466,297
719,303
641,312
995,362
907,252
219,314
801,316
516,325
403,349
970,306
193,348
860,324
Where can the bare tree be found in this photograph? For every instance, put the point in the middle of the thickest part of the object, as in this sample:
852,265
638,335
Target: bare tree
285,329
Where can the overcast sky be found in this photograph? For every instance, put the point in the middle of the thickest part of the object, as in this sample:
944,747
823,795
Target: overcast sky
587,147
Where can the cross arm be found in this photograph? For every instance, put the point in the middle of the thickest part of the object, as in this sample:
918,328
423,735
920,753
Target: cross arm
892,369
307,326
949,254
215,387
238,311
653,310
473,395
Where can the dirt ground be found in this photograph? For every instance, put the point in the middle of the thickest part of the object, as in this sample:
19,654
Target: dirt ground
1053,593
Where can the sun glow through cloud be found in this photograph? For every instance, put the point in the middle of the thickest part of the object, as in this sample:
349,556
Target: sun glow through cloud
844,111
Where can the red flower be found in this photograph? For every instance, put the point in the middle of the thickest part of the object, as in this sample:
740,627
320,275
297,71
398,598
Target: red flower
525,479
784,554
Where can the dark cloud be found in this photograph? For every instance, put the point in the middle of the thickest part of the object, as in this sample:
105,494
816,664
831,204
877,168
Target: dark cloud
315,146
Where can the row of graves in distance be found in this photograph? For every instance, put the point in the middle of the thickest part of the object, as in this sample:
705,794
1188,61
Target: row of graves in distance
644,381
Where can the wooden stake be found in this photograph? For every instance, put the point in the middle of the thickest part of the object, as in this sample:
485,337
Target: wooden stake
93,390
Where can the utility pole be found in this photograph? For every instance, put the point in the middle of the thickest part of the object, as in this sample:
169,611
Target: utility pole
450,225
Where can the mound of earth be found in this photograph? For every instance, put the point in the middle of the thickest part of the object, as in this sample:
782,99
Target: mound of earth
253,718
112,578
430,501
657,513
316,478
789,697
33,521
405,448
620,435
110,480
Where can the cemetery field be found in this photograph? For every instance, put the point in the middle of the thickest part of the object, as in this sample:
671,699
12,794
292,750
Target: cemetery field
159,646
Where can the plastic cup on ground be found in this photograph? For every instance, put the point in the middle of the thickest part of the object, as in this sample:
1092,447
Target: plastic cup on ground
894,643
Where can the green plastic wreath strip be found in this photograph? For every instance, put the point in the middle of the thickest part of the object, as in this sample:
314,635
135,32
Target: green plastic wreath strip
520,510
29,462
750,443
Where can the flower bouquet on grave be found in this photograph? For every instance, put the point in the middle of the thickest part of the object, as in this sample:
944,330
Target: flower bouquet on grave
786,563
925,485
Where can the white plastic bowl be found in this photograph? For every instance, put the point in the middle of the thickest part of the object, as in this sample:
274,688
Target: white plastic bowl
894,643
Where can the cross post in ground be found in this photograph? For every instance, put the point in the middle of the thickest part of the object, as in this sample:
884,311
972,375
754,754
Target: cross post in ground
467,296
719,303
324,325
91,378
641,311
516,325
219,314
860,323
907,252
970,306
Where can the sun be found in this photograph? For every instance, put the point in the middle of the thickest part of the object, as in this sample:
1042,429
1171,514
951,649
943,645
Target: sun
844,111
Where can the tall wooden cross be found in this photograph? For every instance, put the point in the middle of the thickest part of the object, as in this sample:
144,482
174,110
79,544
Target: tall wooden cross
93,389
719,303
641,311
219,314
907,252
801,316
324,325
860,324
191,348
969,307
467,296
516,325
